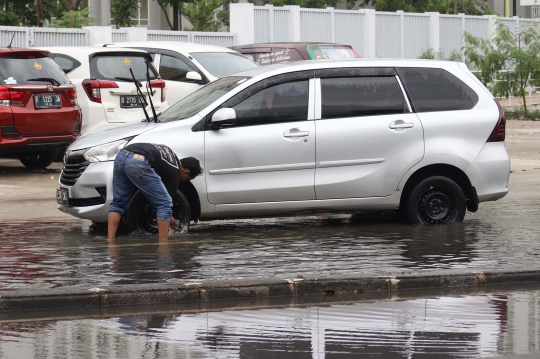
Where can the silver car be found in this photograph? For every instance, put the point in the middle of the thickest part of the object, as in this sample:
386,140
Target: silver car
424,138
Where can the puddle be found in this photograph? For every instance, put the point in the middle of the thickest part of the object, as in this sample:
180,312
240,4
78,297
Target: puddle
48,255
438,328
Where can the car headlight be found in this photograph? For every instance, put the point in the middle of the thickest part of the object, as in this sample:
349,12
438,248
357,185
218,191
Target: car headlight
106,152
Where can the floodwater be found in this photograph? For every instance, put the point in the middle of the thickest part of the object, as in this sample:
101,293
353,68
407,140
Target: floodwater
434,328
34,255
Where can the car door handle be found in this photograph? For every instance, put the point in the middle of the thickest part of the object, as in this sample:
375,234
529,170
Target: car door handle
395,126
296,134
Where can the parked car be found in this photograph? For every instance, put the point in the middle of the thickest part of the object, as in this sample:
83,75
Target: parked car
38,107
187,66
423,137
277,52
107,92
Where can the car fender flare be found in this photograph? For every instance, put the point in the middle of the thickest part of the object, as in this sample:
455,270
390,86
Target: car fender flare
191,194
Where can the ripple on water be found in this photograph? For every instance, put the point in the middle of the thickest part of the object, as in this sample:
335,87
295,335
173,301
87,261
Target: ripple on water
438,328
48,255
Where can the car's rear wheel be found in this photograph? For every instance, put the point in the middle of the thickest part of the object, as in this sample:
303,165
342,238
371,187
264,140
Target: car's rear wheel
434,200
141,215
39,159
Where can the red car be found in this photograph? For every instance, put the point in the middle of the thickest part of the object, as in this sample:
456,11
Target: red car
39,115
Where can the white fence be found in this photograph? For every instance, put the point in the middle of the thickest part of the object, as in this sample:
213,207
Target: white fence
371,33
92,35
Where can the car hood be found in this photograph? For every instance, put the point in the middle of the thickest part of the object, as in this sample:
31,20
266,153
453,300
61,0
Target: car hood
111,133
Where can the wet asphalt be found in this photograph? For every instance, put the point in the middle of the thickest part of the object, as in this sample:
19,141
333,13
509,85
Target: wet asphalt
45,255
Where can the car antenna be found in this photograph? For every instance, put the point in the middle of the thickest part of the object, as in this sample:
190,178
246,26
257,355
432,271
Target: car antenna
148,84
11,42
139,92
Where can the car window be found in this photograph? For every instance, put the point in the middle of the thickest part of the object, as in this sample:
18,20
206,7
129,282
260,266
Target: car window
285,55
30,70
361,96
436,90
66,63
277,56
221,64
285,102
115,66
173,69
335,52
197,101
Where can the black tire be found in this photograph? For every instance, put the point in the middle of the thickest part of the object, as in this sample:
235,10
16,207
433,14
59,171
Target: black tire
140,216
434,200
39,159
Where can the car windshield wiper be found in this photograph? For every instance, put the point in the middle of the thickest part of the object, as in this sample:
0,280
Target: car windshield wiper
51,80
128,80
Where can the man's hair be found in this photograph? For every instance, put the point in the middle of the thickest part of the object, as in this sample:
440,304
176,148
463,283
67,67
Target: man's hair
192,164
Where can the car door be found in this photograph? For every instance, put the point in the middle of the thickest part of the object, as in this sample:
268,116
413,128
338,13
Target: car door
367,136
268,155
173,68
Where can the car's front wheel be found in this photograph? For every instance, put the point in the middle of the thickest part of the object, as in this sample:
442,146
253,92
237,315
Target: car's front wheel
434,200
141,215
39,159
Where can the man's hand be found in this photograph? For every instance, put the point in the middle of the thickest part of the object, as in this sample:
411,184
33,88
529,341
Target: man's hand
173,223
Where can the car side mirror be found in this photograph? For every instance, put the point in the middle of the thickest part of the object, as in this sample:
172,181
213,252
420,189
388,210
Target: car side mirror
223,117
193,76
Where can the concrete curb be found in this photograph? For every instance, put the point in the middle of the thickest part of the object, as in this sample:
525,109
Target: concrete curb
208,291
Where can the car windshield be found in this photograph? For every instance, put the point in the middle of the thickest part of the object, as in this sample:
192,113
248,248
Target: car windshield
221,64
197,101
30,70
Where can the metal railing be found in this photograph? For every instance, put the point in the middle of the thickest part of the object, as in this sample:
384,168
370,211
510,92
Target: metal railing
35,37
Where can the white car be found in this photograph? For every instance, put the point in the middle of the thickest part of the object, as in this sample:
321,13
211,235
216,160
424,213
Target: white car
104,84
187,66
419,136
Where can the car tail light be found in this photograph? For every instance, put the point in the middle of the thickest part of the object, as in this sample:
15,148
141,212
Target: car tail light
10,133
93,88
498,133
7,94
159,83
72,96
77,130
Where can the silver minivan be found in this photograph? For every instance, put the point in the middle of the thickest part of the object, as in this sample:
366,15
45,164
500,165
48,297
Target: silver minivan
424,138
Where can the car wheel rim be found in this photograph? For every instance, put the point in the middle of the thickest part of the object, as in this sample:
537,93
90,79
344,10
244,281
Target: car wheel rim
436,206
147,217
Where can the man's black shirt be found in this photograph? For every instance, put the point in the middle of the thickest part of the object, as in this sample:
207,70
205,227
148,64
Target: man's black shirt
163,160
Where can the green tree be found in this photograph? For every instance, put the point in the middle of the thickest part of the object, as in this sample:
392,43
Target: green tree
202,14
25,13
75,19
507,62
8,19
314,4
431,54
73,5
176,5
469,7
122,12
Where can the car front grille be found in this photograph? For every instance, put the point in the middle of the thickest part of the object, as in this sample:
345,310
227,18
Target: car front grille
74,166
85,202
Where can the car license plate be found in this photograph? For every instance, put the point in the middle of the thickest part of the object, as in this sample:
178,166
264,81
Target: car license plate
47,101
62,197
131,102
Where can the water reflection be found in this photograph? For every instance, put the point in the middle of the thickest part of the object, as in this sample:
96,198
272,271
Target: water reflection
449,327
49,255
